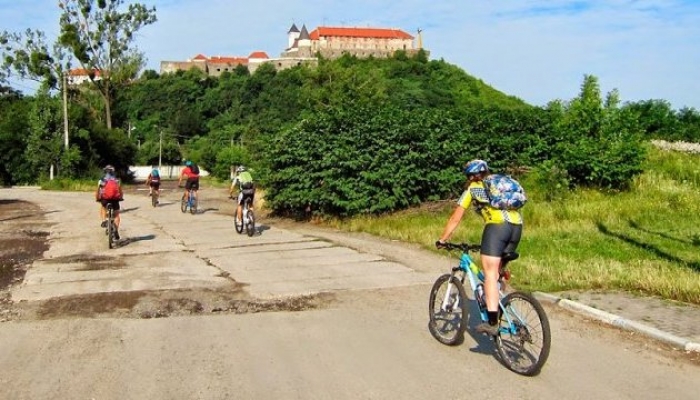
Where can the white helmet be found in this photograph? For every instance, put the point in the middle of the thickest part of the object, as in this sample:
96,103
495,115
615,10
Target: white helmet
240,169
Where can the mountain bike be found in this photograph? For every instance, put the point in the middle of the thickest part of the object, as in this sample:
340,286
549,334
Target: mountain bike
111,229
189,202
524,338
248,220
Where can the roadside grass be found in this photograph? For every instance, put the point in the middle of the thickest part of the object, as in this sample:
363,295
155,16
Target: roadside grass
85,185
644,241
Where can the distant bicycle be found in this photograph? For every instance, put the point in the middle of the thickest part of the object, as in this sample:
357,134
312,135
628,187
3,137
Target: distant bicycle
189,202
111,229
248,220
524,338
155,197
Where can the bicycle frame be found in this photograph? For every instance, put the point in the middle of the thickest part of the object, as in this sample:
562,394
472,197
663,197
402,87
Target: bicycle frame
466,267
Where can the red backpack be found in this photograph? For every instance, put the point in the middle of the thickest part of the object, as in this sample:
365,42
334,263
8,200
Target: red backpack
110,190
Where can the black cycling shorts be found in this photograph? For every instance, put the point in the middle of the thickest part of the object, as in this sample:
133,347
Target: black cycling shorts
192,184
501,238
114,203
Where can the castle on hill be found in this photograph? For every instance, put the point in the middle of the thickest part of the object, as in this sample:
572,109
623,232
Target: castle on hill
303,46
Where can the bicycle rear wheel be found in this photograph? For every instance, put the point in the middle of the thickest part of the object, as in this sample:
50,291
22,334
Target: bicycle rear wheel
250,224
447,324
154,199
193,204
525,338
110,228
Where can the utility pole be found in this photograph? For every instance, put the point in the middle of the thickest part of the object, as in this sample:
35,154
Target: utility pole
160,151
65,110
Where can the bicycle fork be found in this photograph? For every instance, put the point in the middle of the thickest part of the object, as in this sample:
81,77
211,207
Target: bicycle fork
451,299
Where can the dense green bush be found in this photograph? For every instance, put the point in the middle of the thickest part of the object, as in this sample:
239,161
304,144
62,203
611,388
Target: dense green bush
371,159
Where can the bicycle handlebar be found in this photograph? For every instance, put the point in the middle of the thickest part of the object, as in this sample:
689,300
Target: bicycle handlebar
465,247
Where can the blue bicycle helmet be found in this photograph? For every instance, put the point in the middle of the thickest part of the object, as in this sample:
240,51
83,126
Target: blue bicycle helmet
474,167
188,163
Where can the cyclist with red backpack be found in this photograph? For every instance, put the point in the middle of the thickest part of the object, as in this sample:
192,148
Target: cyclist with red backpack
109,191
191,175
497,199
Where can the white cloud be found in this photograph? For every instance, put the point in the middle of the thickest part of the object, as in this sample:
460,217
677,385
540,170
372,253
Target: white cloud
537,50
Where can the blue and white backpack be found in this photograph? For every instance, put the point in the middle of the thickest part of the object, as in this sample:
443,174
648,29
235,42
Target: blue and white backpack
504,192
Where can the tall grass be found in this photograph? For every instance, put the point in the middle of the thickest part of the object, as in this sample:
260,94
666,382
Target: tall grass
645,240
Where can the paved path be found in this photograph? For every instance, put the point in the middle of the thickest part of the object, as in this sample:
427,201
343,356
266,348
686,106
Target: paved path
162,248
165,249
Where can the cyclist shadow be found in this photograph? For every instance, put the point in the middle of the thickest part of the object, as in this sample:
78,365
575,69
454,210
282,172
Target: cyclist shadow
484,344
206,210
126,241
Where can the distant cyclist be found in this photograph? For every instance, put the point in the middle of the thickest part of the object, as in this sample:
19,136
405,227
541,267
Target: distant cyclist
153,182
191,175
243,183
109,191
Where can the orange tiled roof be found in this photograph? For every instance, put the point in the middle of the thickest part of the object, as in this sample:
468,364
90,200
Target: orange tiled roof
258,54
200,57
374,33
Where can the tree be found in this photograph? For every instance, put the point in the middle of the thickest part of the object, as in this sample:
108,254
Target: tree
600,144
100,36
30,56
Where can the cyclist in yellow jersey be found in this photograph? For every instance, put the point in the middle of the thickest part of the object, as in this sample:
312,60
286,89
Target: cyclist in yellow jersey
502,232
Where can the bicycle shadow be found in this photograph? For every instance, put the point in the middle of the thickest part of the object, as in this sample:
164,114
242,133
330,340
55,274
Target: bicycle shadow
127,241
162,203
127,210
206,210
484,343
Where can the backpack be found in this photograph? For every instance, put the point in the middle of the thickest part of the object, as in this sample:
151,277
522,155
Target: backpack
110,190
155,176
195,169
504,192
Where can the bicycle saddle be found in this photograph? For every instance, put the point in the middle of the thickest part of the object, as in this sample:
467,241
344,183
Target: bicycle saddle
510,256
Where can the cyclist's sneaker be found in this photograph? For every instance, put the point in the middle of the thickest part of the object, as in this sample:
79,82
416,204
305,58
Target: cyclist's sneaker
103,224
116,235
485,327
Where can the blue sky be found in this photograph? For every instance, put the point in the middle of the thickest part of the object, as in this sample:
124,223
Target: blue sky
538,50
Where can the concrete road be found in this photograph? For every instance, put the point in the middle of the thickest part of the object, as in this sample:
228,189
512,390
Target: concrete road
370,341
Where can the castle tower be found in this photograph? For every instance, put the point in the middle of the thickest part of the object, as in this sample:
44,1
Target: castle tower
292,36
304,38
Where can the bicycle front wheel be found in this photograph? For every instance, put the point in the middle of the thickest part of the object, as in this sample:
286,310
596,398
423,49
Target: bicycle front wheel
448,307
525,338
250,225
238,224
183,204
